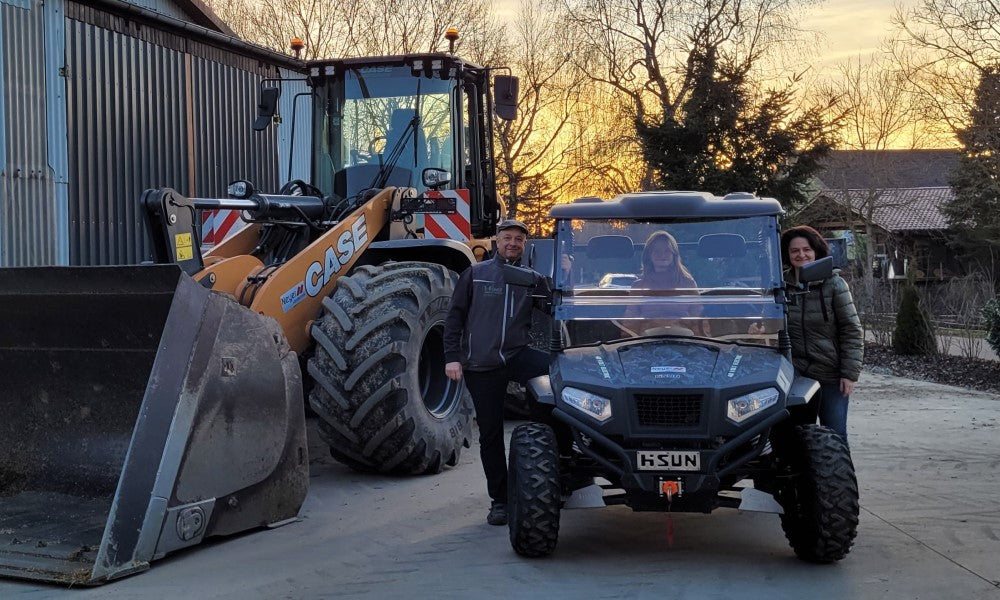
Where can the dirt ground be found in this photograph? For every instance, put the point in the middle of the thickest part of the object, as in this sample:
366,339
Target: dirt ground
927,458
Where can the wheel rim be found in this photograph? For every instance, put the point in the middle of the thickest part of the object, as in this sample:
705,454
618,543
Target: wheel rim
440,394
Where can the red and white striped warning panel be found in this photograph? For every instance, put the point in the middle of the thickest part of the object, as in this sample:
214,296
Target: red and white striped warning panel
455,226
217,225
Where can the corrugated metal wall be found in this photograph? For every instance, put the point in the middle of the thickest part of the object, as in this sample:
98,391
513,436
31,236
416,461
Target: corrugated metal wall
27,201
224,105
145,109
125,114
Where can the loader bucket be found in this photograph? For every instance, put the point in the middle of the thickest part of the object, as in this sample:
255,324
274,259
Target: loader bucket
139,414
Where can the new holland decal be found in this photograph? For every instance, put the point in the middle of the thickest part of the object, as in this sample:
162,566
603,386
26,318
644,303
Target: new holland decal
335,258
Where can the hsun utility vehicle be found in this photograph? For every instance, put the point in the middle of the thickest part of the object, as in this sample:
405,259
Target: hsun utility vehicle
681,399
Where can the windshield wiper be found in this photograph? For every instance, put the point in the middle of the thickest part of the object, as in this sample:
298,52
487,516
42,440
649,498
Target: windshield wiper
386,169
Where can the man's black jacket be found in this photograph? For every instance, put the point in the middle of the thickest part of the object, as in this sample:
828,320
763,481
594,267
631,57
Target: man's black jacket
488,320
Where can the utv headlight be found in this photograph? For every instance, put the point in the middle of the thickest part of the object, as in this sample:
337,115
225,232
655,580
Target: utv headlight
743,407
596,406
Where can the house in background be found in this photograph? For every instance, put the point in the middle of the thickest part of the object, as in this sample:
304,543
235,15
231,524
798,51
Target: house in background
888,204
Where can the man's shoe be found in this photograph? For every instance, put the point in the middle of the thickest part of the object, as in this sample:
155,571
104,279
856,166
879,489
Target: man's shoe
498,514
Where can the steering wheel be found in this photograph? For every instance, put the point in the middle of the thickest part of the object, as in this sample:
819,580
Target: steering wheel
668,330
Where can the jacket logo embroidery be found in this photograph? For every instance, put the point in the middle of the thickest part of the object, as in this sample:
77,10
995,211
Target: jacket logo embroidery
492,289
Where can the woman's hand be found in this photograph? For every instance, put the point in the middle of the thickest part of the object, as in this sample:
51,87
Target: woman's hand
453,370
846,386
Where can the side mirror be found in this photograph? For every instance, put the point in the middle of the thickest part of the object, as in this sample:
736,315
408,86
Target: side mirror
818,270
266,107
520,276
434,178
505,91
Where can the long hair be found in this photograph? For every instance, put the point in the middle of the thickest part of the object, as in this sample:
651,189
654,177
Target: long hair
816,242
677,268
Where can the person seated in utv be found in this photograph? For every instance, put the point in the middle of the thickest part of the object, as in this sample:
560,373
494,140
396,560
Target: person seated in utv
663,269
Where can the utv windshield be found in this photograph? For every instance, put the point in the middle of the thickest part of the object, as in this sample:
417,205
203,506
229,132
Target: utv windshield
381,125
695,278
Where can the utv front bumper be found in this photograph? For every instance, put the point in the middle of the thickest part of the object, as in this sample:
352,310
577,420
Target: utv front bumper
645,488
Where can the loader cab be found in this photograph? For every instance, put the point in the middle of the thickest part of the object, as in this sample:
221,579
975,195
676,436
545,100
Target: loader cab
380,122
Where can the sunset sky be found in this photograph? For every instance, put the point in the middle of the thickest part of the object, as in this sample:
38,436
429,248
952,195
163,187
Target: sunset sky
849,27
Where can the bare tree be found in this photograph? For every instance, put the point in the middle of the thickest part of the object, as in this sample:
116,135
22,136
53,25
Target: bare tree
354,28
958,314
943,46
873,104
534,150
644,48
608,160
326,32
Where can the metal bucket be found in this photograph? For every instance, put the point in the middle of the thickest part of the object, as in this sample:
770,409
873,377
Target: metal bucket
141,413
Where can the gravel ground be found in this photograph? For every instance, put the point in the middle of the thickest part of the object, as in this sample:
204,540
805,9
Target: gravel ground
976,374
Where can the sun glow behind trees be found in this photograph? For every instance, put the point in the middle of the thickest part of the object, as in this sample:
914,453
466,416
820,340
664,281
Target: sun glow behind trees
592,69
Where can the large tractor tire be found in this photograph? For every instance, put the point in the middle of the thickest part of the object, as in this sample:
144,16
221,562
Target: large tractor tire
381,394
819,496
533,492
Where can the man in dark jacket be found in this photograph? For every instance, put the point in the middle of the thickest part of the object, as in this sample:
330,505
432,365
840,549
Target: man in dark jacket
486,342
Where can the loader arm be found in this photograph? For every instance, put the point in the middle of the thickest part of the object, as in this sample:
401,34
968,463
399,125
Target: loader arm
292,293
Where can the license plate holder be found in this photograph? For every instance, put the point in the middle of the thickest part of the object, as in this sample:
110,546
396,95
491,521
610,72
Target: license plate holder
668,460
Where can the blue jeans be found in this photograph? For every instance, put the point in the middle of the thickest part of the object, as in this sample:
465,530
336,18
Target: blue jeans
833,408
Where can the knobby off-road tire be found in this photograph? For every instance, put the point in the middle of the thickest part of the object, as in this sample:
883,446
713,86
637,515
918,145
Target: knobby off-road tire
533,495
383,400
820,499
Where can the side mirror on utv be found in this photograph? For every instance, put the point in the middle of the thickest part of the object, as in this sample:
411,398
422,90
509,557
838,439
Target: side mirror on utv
433,178
505,91
266,107
520,276
818,270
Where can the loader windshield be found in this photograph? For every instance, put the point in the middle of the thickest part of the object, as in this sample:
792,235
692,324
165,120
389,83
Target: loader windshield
693,278
379,126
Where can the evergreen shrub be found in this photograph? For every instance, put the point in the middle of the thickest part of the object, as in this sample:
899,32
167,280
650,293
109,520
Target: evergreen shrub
913,334
991,314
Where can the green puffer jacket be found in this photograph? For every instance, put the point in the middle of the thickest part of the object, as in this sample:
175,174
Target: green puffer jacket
827,339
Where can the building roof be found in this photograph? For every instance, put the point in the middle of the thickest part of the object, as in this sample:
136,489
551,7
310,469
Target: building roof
896,210
189,11
201,14
882,169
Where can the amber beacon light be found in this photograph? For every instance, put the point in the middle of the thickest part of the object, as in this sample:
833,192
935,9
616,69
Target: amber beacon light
452,36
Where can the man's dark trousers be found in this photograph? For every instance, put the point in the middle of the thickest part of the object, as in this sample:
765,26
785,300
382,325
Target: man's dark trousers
489,390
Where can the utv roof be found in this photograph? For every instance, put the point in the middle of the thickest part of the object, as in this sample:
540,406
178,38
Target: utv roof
668,205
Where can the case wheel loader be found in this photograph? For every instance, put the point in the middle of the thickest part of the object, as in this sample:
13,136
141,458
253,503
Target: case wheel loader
149,407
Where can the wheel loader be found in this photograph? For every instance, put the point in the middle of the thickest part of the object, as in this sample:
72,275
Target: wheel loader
148,407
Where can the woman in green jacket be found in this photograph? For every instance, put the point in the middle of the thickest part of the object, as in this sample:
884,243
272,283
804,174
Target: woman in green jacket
823,323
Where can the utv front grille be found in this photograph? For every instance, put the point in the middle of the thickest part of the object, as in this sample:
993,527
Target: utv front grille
655,410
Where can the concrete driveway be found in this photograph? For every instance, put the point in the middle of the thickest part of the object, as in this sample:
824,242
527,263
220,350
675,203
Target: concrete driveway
927,458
